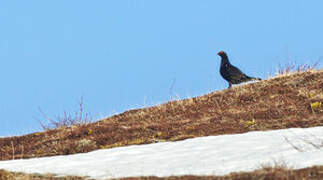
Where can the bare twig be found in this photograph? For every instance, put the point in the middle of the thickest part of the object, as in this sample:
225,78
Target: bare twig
293,67
22,151
13,151
312,143
293,145
171,89
49,120
318,145
67,119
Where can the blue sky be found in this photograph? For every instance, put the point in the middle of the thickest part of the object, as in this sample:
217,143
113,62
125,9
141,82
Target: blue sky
123,54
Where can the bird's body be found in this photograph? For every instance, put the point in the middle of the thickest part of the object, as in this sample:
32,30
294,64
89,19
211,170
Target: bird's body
231,73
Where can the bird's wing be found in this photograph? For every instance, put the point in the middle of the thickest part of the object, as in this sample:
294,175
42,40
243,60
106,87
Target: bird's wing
234,70
236,74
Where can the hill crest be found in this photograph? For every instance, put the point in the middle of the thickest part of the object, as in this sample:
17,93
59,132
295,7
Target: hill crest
280,102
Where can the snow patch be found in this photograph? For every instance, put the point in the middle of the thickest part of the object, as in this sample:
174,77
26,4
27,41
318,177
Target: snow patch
212,155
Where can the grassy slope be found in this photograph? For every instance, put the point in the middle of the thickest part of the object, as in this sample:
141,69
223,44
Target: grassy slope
280,102
276,173
5,175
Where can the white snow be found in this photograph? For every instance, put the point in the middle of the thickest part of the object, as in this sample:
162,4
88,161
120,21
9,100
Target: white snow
212,155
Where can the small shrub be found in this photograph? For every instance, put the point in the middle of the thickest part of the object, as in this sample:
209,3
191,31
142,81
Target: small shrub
251,123
90,132
316,105
68,119
85,145
159,134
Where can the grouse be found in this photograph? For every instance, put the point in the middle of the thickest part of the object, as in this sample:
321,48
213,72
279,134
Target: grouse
231,73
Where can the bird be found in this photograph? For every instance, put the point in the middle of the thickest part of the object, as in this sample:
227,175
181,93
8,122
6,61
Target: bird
231,73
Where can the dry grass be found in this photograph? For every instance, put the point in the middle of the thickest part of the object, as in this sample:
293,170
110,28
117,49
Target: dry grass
277,103
284,101
5,175
265,173
268,173
294,68
67,120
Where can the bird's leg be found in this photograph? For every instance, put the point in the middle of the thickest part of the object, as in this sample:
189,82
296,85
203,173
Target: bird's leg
230,85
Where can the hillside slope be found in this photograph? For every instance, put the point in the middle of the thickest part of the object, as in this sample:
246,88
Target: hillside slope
281,102
201,156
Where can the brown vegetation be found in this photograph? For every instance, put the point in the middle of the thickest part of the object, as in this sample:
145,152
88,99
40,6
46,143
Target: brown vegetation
266,173
5,175
269,173
282,102
285,101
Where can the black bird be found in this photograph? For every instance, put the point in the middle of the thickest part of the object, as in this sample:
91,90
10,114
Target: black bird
231,73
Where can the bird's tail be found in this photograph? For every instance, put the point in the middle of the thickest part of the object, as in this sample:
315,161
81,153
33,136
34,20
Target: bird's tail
254,78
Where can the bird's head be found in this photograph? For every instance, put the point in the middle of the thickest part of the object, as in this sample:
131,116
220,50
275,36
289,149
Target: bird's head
222,54
224,58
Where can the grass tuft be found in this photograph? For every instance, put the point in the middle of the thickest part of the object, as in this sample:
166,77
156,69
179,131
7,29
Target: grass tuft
77,118
289,68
